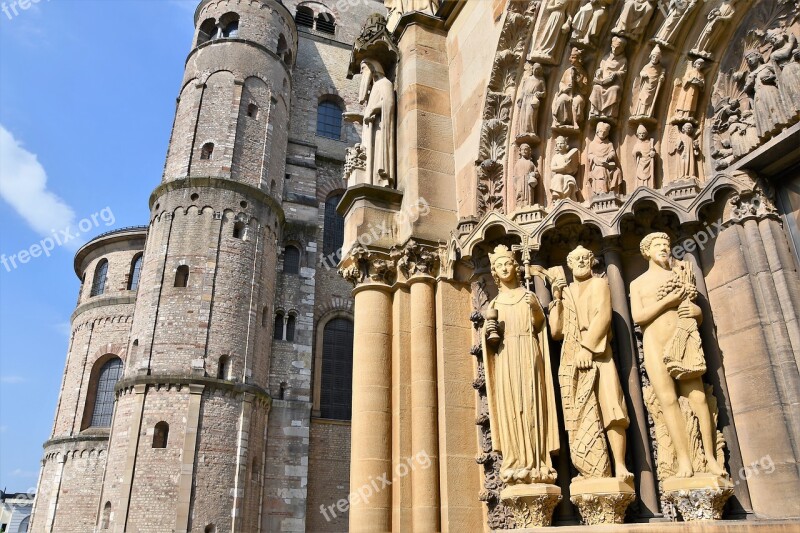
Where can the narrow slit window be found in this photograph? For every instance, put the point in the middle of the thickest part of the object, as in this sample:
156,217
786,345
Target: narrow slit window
182,276
160,435
207,152
290,326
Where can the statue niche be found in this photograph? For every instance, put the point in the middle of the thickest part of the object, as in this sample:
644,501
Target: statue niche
521,397
689,447
595,415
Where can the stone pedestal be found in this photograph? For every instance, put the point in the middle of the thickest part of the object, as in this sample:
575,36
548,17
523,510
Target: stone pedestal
682,189
602,500
700,497
605,203
533,504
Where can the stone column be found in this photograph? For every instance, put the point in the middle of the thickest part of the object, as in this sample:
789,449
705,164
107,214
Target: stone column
134,433
424,427
371,429
188,458
627,354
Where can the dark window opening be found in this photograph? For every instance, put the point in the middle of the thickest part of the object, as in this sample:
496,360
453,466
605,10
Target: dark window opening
182,276
290,325
265,317
329,120
230,25
110,373
238,230
160,435
136,272
105,521
304,17
337,369
100,277
207,152
223,368
277,332
252,111
291,260
333,231
207,31
326,23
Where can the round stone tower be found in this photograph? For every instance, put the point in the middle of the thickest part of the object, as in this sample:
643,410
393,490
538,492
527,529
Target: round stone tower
188,440
75,455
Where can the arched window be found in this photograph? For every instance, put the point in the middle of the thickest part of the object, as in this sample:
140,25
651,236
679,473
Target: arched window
210,528
252,111
24,525
337,369
108,376
136,271
291,260
304,17
326,23
224,368
160,435
265,317
333,231
105,521
238,230
207,152
100,277
182,276
207,31
329,120
277,332
230,25
290,324
283,46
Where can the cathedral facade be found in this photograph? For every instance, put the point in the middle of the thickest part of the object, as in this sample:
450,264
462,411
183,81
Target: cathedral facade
451,266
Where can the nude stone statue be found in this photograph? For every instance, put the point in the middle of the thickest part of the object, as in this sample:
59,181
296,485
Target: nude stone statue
526,178
377,95
519,385
662,304
563,167
607,89
647,87
604,169
633,18
592,398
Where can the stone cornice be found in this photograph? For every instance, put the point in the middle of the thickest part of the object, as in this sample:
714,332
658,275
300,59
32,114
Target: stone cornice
102,301
210,383
76,439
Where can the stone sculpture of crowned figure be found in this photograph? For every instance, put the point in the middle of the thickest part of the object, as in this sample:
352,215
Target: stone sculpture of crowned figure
521,397
595,414
684,410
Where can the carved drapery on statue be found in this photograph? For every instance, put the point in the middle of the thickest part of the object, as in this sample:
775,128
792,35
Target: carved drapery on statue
379,135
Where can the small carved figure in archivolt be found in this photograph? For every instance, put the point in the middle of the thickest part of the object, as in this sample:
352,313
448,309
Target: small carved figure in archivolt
717,18
569,103
608,79
685,149
563,168
532,91
644,151
647,86
761,83
526,178
786,56
604,171
551,31
677,13
633,18
688,91
589,22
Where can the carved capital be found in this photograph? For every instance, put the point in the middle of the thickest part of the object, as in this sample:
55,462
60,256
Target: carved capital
362,266
418,259
755,204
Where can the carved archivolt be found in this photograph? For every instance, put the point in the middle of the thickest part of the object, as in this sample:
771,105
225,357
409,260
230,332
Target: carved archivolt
685,90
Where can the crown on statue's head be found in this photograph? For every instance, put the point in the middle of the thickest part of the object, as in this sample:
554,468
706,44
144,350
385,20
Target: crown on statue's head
501,251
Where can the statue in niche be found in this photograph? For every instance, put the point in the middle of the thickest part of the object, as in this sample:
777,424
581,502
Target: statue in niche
685,148
647,87
589,22
662,303
532,91
519,386
607,89
786,56
644,151
604,172
717,17
377,95
553,26
563,167
526,178
592,399
568,105
761,83
677,13
688,90
633,18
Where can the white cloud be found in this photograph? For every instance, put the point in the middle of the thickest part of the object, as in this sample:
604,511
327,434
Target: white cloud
11,380
23,184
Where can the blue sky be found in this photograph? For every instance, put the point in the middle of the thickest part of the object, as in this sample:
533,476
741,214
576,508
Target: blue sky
87,96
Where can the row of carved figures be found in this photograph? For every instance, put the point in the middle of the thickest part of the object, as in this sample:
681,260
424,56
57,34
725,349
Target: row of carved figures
520,395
